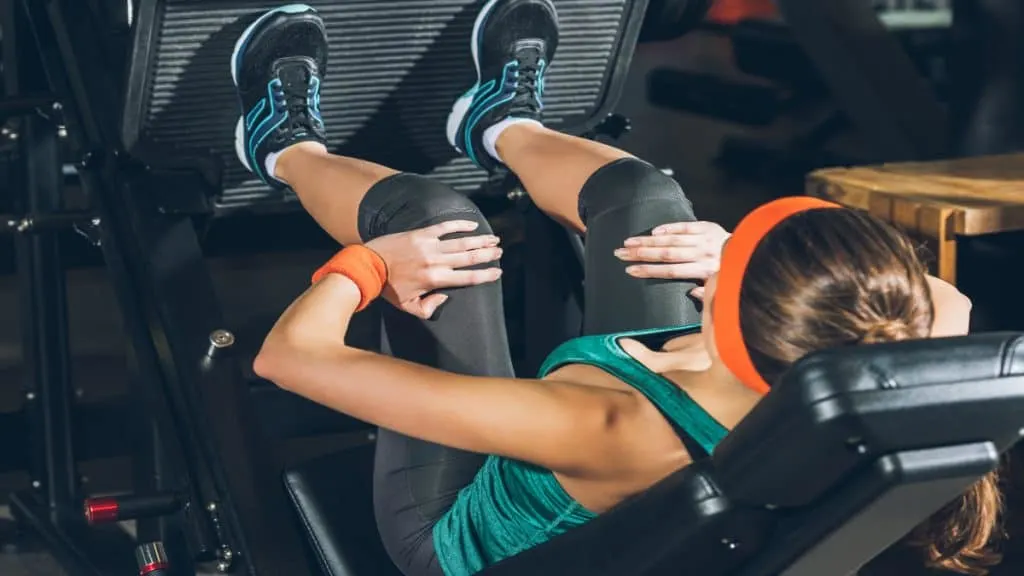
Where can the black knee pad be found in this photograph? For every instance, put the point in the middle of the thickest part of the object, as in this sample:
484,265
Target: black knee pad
405,202
631,183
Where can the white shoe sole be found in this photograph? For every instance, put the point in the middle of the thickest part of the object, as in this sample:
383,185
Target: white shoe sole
462,105
239,45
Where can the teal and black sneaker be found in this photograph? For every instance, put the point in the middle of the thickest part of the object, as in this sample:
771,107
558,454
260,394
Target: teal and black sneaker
278,65
513,44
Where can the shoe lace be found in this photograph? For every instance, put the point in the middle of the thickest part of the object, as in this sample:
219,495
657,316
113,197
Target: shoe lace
529,83
299,116
293,92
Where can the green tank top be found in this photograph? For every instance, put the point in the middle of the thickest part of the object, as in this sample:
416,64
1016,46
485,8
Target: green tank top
512,506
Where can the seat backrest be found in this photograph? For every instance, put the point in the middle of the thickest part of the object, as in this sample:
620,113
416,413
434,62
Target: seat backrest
333,499
872,400
848,453
395,69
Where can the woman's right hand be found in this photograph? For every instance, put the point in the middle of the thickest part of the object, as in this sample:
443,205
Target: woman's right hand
419,263
679,251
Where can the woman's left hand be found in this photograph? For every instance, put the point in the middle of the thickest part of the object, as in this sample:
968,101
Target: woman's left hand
679,251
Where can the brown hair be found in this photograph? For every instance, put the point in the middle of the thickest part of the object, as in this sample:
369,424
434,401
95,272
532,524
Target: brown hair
829,278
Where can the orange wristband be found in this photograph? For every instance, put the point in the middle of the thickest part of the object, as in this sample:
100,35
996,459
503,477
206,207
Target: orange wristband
362,266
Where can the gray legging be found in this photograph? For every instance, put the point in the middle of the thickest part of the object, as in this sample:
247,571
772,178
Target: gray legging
415,482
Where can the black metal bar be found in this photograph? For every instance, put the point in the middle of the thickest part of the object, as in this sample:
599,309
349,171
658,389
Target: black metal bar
11,31
44,222
871,77
81,551
43,297
111,509
170,309
20,105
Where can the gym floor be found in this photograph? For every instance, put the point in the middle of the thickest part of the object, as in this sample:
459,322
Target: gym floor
670,139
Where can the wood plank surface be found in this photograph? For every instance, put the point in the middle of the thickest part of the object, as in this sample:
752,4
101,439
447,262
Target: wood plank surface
982,195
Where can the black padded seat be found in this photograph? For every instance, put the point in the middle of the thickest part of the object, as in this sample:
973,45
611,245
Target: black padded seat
333,495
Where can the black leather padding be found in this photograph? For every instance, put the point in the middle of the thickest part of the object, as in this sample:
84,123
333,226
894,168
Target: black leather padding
837,463
837,410
333,496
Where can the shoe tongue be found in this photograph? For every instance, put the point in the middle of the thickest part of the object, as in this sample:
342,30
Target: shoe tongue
295,71
530,49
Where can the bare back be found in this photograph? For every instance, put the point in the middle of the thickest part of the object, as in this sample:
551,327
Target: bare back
656,449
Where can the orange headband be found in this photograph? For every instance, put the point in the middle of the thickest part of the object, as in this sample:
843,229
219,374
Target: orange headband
736,256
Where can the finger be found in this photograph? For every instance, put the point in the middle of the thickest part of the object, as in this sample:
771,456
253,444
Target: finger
449,227
645,254
468,243
698,293
441,278
667,240
430,304
471,258
688,271
682,228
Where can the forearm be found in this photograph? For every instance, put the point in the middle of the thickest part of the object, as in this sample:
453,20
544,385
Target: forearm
560,426
320,315
305,353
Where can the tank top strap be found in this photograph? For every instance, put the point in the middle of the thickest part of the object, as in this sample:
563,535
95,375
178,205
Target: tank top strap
693,424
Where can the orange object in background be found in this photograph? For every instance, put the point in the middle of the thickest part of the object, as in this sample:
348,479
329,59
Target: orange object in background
732,11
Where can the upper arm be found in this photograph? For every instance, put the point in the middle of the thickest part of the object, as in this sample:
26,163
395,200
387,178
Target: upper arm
952,315
567,428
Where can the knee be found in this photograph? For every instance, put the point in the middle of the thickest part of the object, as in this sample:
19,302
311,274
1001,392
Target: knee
634,185
408,201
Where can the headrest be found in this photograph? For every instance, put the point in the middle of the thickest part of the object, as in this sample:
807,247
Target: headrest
839,409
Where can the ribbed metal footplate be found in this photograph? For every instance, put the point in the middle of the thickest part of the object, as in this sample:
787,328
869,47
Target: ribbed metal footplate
395,69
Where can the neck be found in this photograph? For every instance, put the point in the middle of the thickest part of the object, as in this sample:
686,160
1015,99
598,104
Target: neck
719,373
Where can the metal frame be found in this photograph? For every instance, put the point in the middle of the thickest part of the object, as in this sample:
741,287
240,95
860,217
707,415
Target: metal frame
210,451
51,507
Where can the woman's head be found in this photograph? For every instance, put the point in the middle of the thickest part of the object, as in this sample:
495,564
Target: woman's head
827,278
823,278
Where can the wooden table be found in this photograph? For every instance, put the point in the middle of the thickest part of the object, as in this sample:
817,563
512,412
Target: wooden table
936,201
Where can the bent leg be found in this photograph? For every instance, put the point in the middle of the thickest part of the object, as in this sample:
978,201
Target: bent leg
499,121
623,199
612,196
331,188
553,167
416,482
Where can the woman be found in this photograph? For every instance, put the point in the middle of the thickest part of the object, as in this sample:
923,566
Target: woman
600,425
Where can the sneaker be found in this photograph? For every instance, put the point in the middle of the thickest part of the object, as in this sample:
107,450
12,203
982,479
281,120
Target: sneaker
278,64
513,44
